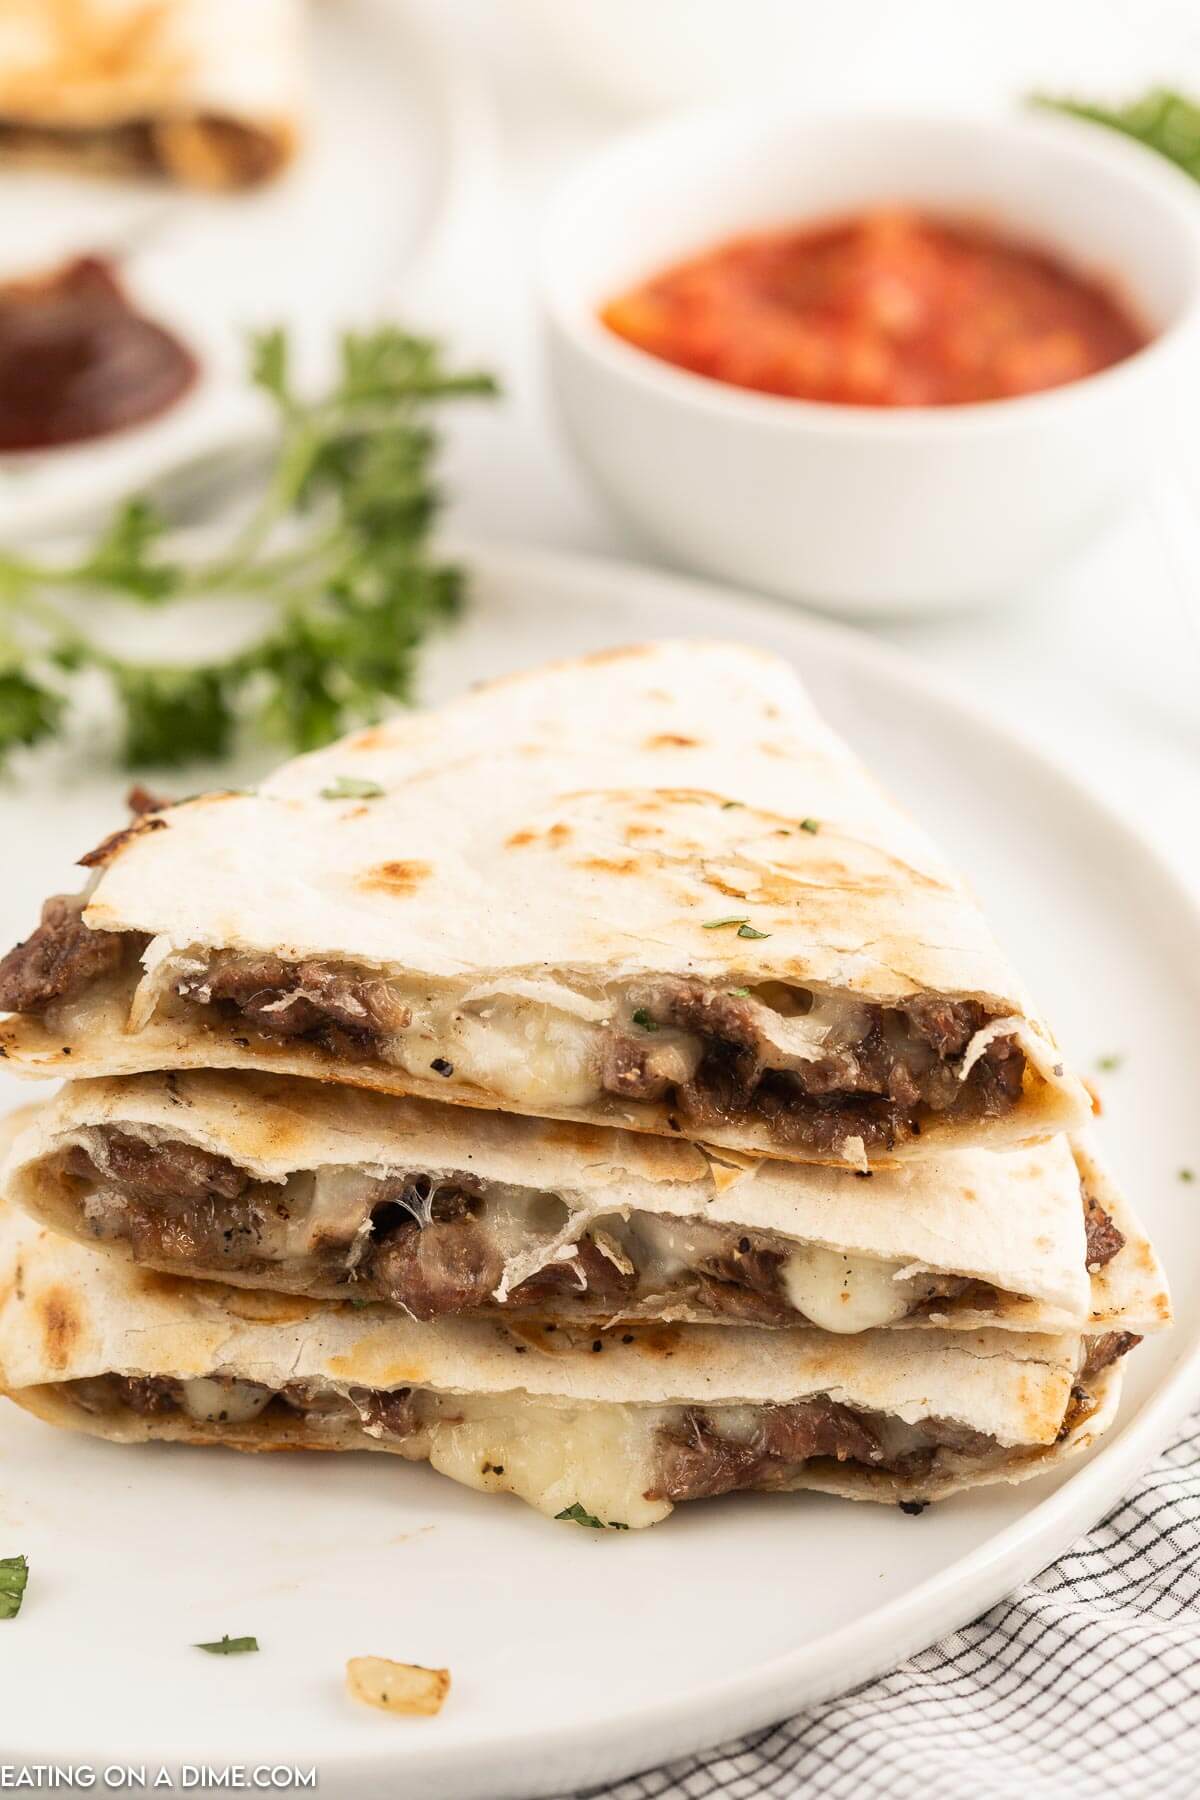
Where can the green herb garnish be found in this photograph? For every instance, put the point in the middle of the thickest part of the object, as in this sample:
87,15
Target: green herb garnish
719,924
1163,120
1187,1174
14,1578
227,1646
350,787
812,825
738,993
642,1017
747,931
579,1516
335,556
1110,1062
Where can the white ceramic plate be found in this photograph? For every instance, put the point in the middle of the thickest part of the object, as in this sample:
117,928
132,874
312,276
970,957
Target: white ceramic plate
395,138
576,1655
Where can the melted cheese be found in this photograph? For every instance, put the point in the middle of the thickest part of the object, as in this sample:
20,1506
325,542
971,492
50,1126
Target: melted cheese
552,1457
842,1293
507,1046
210,1400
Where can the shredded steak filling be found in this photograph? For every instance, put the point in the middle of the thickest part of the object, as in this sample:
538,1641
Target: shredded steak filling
877,1085
704,1053
699,1451
59,959
296,1000
430,1244
1104,1239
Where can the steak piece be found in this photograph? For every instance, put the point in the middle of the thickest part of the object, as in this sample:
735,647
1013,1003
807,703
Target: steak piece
1103,1350
386,1414
165,1170
296,1000
446,1266
640,1068
59,960
697,1462
589,1274
946,1025
148,1395
1104,1239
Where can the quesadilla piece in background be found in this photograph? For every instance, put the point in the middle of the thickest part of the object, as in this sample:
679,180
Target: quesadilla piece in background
207,92
660,1414
647,889
308,1188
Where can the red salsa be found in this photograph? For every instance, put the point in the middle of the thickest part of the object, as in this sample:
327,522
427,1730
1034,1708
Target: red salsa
77,360
885,309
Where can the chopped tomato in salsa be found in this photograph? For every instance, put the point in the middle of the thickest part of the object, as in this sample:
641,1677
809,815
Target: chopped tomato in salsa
886,309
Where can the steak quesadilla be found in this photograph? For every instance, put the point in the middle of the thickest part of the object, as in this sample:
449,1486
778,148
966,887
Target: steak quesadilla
204,91
611,1428
649,889
274,1182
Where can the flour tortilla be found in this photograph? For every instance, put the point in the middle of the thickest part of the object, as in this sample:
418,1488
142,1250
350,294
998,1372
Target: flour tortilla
67,1314
536,844
1013,1221
213,86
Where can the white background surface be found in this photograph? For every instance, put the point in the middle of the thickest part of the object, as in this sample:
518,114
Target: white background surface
1102,665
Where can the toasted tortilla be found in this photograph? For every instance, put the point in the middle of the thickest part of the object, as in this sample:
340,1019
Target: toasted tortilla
511,870
533,1411
207,92
1013,1222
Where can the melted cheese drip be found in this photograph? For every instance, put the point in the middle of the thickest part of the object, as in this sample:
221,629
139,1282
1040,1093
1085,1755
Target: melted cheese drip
842,1293
552,1457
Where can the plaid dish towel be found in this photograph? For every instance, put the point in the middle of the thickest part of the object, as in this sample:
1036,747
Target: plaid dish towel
1084,1682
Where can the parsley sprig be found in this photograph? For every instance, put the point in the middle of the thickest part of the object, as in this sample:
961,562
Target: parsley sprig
14,1577
337,551
1163,120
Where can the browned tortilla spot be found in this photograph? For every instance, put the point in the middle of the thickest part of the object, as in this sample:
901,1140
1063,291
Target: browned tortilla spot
610,865
397,877
117,840
62,1326
619,653
671,740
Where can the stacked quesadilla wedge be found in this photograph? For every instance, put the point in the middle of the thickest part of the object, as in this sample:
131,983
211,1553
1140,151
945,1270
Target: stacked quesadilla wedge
275,1182
650,890
205,92
595,1088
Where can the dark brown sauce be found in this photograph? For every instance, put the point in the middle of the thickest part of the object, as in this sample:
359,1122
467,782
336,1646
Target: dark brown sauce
78,361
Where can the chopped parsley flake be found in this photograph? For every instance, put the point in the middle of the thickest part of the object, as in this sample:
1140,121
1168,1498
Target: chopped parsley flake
811,825
642,1017
1108,1063
578,1515
227,1646
14,1575
1187,1174
351,787
719,924
746,930
738,993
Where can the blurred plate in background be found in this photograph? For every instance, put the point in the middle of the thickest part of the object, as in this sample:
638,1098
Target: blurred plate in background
394,132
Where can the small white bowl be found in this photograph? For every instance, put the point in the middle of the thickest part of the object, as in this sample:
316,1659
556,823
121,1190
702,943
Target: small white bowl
869,510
